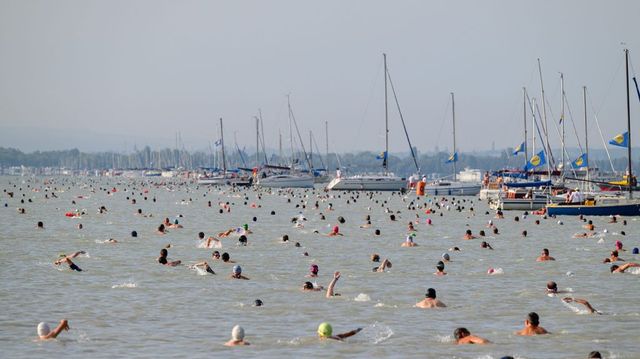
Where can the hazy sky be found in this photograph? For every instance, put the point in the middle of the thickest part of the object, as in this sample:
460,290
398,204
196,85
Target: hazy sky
103,75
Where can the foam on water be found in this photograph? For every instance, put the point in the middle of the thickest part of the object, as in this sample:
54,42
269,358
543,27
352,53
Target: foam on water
362,297
125,285
376,333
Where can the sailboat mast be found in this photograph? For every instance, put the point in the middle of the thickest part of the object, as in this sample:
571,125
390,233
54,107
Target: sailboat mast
533,126
586,135
630,178
386,119
524,116
545,142
562,119
224,162
257,142
326,137
310,150
453,113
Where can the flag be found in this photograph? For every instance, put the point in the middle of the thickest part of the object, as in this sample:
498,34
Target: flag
452,158
581,161
536,161
520,148
218,142
382,156
621,140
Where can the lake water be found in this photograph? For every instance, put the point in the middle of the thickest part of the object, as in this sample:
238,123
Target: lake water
124,304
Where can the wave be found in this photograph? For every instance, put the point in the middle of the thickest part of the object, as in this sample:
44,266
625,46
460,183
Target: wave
125,285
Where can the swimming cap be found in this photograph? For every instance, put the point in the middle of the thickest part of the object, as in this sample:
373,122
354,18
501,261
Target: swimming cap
445,256
618,244
336,229
237,333
440,265
258,303
245,226
43,329
325,330
237,269
635,250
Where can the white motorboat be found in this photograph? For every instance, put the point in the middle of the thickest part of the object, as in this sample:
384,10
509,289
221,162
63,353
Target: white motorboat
287,181
444,188
368,183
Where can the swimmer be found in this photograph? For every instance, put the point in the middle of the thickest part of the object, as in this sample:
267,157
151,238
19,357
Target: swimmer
430,300
463,336
440,269
552,288
237,337
335,232
384,265
375,257
325,331
446,257
366,225
583,302
205,265
532,326
332,285
161,229
67,259
613,219
594,355
216,242
409,242
285,238
545,256
411,228
236,273
309,287
468,235
215,255
589,226
613,258
44,333
619,246
226,258
242,241
620,269
584,235
313,271
245,229
486,245
163,259
111,240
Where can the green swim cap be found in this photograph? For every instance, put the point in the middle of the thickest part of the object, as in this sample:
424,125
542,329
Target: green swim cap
245,226
325,330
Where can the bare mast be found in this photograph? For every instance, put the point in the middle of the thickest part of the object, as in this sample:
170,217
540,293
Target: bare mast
453,113
386,119
224,162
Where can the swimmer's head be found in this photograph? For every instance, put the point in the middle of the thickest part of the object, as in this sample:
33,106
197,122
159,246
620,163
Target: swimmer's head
481,233
134,234
595,355
524,233
545,251
307,285
618,245
163,252
40,224
377,232
533,319
245,226
431,293
336,229
297,245
258,303
552,287
43,329
201,235
445,256
215,254
237,333
225,257
325,330
243,239
314,269
635,250
468,232
440,266
285,238
613,268
460,333
375,258
237,269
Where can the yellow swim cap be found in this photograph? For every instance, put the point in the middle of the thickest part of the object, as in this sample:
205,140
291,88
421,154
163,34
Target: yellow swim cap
325,330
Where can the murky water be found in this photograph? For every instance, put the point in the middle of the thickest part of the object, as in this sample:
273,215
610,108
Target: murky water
125,304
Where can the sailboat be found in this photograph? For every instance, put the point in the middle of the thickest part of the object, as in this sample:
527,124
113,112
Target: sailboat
453,188
602,205
226,177
383,182
288,177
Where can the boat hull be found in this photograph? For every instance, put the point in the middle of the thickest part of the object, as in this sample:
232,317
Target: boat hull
619,209
372,183
285,181
453,189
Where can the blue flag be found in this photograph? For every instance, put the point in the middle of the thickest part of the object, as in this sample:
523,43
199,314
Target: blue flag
536,161
452,158
581,161
621,140
521,148
382,155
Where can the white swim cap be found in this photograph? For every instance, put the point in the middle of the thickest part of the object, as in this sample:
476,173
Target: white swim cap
43,329
237,333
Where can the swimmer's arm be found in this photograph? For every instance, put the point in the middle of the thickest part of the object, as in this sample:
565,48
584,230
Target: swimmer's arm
76,254
348,334
330,292
64,325
477,340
